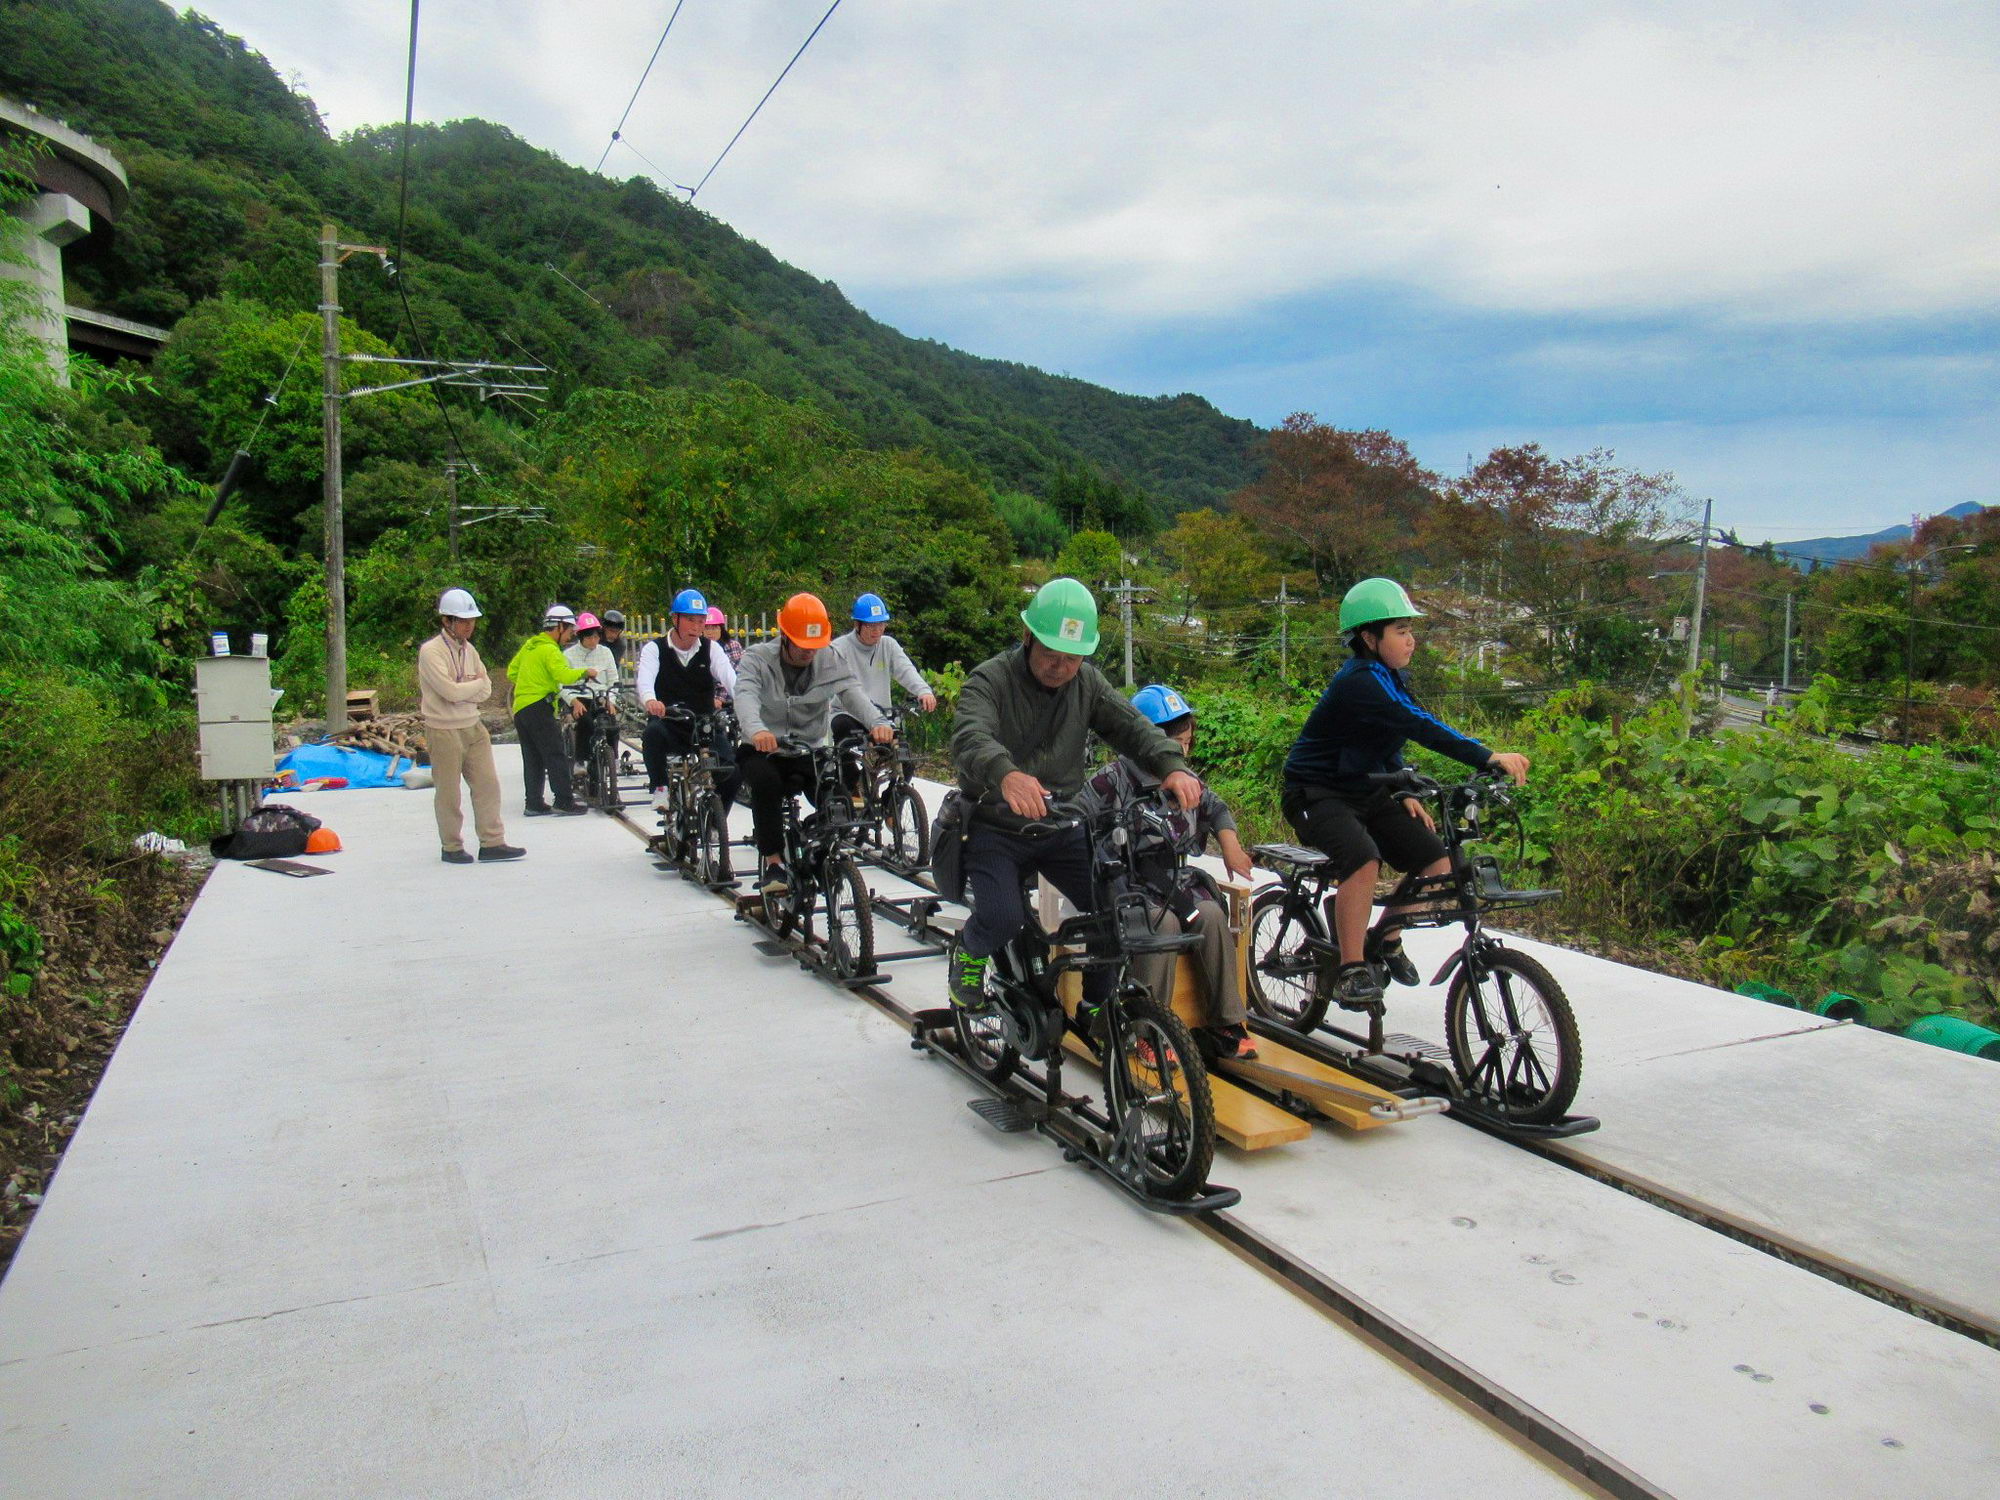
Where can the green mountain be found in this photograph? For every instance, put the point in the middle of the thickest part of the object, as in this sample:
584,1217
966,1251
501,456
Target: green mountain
512,253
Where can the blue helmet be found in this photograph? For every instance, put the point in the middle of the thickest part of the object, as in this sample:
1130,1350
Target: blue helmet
1160,703
689,602
870,610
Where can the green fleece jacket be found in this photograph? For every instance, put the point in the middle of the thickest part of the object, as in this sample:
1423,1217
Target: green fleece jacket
1007,721
538,669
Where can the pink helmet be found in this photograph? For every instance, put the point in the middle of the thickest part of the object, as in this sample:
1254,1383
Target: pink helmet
587,621
716,616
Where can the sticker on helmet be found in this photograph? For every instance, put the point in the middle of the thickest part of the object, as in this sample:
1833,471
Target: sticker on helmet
812,631
1072,629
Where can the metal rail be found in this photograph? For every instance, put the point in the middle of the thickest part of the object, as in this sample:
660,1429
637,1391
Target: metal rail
1556,1443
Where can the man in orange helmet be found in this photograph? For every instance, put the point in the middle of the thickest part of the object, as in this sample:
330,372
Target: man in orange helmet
786,693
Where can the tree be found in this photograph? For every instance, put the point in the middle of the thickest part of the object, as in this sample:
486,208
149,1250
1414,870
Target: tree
1563,537
1339,502
1218,559
1092,556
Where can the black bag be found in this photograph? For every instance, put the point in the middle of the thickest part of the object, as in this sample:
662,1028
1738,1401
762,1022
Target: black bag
949,831
274,831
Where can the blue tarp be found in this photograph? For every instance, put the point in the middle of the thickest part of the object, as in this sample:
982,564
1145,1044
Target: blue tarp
360,767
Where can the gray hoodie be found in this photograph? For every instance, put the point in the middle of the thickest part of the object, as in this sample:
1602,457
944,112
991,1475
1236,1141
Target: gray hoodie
879,665
765,704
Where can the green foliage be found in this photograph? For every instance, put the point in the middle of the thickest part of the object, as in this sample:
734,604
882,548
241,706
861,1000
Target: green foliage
1035,525
1095,557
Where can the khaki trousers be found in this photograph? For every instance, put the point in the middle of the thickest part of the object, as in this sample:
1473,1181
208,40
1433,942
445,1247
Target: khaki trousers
1214,960
465,753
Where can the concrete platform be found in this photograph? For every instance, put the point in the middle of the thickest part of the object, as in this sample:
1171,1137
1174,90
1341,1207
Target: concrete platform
536,1180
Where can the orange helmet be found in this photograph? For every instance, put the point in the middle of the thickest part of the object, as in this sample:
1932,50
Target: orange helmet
803,620
322,841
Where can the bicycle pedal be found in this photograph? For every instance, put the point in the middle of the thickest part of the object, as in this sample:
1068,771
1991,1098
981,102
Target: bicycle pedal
771,947
1002,1114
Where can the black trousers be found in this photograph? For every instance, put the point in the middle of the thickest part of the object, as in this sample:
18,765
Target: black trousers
662,738
770,779
998,863
542,757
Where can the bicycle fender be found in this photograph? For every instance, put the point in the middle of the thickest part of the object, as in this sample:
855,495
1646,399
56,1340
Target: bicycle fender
1457,960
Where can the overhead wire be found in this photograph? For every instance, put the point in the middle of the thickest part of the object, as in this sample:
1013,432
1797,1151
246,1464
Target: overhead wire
617,134
695,191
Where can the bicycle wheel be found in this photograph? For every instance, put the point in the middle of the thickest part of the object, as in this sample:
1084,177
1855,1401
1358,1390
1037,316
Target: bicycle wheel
1156,1092
982,1040
908,823
850,920
713,839
1513,1038
1284,978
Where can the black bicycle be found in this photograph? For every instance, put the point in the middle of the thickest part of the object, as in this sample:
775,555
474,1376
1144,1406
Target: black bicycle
822,873
1158,1122
1510,1033
592,740
694,825
891,803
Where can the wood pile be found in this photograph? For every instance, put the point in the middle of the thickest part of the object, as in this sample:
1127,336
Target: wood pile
392,734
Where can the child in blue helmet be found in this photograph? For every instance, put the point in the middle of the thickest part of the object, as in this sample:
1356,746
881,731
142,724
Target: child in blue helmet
1188,900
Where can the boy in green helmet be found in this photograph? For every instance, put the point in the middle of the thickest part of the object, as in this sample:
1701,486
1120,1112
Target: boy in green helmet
1357,730
1020,739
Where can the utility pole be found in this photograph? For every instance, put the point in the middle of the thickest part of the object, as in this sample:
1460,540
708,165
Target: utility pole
1126,591
333,528
473,373
1787,683
1694,636
451,480
1284,604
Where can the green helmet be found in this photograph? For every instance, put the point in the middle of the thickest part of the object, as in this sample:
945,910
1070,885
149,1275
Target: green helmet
1374,600
1063,617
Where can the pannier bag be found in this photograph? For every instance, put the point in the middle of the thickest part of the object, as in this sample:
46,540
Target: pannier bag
949,830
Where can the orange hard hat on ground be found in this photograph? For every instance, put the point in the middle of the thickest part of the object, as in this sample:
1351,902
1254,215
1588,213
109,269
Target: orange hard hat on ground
803,619
322,841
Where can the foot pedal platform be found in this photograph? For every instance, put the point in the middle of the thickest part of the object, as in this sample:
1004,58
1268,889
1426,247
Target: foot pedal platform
1002,1114
771,947
1404,1045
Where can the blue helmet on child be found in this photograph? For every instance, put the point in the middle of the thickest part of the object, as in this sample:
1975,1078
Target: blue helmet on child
870,610
689,602
1160,703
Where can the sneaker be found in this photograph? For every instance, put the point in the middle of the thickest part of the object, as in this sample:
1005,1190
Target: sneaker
967,977
537,812
774,883
492,852
1232,1043
1143,1051
1356,986
455,856
1394,961
573,810
660,798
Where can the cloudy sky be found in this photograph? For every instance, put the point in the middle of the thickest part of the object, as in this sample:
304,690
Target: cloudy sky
1754,244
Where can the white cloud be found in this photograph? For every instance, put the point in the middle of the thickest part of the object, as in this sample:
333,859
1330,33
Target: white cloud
1793,162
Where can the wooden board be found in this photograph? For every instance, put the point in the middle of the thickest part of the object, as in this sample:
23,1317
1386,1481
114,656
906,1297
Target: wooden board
1306,1071
1241,1118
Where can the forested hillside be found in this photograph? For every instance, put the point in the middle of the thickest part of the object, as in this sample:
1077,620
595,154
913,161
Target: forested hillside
511,251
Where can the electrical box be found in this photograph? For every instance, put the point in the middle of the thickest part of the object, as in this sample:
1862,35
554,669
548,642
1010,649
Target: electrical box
233,703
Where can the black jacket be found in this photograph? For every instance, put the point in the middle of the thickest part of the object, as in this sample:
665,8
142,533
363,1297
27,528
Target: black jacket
1360,725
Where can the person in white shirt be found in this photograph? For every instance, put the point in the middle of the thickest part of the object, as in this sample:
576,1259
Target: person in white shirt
683,669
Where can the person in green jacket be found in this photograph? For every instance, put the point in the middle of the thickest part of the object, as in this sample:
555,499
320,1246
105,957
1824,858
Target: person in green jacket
1023,723
539,671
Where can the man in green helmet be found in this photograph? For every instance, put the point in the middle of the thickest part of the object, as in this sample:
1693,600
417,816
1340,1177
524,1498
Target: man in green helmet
1019,742
1357,730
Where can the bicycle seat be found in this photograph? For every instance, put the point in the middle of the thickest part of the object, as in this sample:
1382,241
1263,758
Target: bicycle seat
1277,855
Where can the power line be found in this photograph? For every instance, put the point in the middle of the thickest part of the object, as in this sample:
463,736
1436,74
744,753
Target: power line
696,190
617,134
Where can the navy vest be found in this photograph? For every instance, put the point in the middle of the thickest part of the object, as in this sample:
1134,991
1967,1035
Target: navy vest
692,686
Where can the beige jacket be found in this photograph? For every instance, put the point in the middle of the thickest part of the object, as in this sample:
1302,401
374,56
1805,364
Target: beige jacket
452,681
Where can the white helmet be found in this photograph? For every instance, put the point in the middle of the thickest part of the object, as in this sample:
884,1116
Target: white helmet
558,614
458,604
